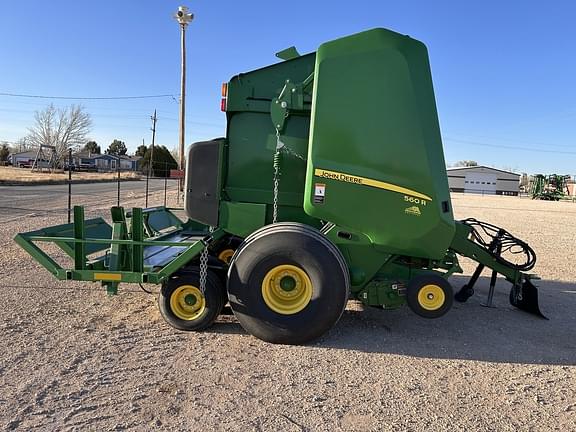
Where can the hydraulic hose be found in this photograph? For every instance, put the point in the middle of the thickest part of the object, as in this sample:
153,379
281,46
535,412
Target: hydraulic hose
497,241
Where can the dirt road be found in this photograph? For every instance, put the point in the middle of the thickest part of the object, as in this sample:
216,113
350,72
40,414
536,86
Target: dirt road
75,359
40,200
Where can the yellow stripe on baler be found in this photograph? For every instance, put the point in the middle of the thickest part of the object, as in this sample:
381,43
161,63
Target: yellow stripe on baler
348,178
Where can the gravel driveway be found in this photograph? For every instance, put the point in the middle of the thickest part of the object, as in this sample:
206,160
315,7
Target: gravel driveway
72,358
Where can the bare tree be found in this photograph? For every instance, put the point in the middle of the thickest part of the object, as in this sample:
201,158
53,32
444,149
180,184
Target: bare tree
466,163
60,127
22,145
175,153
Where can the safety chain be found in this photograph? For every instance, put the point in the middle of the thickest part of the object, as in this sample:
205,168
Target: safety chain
277,162
280,149
293,153
204,264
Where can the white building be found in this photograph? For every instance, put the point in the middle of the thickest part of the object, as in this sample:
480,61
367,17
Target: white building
483,180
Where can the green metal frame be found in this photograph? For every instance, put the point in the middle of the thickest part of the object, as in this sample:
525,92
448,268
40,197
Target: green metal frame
463,246
126,251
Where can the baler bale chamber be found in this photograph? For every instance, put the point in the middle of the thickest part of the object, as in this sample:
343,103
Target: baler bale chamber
329,185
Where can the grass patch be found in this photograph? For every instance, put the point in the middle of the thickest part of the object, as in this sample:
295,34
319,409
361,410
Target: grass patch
25,175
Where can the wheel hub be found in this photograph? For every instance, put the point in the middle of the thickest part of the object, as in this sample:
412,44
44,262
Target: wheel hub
431,297
287,283
226,255
187,302
286,289
190,299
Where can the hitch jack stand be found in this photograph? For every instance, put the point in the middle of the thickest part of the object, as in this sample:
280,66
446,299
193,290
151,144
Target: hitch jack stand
488,302
493,280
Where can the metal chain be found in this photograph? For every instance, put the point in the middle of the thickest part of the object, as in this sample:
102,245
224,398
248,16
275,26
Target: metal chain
280,149
204,265
277,161
293,153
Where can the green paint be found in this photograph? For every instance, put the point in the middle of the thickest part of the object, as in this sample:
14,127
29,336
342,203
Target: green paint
190,299
287,283
374,116
288,53
137,234
79,232
240,218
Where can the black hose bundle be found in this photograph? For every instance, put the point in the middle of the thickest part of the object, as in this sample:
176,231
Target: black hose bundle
499,243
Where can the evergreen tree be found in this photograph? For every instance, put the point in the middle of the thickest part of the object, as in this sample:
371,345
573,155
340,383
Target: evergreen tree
163,161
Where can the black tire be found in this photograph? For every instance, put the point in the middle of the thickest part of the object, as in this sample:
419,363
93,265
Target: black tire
191,317
315,263
429,296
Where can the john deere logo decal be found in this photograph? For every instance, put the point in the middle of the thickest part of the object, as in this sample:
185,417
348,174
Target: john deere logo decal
414,211
364,181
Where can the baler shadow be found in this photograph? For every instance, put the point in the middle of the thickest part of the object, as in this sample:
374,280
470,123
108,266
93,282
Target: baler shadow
226,326
469,331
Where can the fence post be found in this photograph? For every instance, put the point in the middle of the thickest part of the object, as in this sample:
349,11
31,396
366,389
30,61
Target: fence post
118,170
147,181
69,184
166,174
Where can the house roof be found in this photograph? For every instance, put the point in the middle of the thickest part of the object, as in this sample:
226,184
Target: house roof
481,166
32,152
83,154
111,156
87,155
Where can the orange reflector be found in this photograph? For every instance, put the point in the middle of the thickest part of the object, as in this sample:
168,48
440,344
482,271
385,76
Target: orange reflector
224,90
223,105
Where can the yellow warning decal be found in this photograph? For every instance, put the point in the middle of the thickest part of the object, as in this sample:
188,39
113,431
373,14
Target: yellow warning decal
368,182
108,276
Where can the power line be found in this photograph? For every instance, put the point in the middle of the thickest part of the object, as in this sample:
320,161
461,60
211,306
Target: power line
515,141
86,97
483,144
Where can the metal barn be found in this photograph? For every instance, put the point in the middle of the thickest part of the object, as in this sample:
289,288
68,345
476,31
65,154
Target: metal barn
483,180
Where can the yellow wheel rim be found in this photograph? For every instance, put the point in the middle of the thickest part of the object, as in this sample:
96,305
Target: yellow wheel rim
431,297
286,289
226,255
187,302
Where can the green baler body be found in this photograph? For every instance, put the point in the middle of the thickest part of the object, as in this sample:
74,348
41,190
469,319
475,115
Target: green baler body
362,148
351,135
251,143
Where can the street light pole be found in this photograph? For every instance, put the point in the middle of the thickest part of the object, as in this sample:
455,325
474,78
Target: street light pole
184,18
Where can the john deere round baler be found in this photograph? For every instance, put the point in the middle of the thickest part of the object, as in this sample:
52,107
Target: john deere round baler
330,185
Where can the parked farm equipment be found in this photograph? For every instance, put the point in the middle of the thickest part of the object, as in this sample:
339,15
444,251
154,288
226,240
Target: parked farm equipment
551,187
329,185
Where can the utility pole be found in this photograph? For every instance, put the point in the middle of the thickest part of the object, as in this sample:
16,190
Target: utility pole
183,18
147,177
153,118
69,183
151,163
118,171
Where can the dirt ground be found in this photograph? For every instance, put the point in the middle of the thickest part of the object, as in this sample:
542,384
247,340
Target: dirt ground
72,358
27,176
